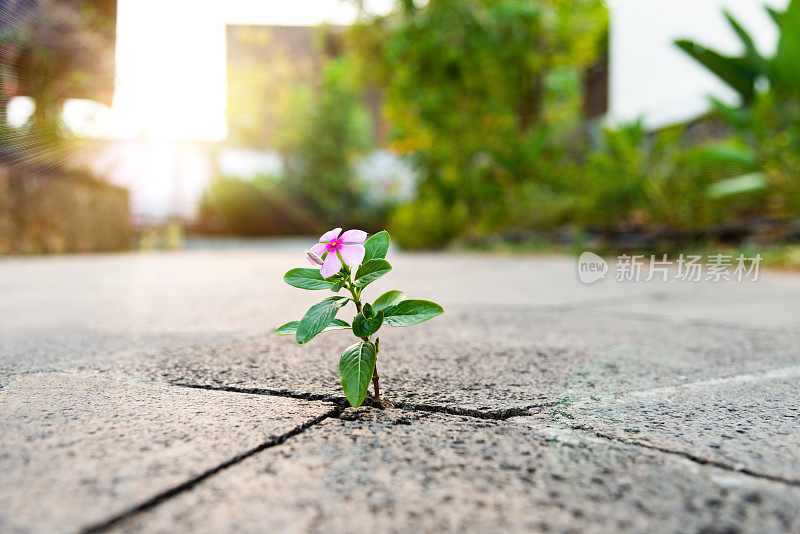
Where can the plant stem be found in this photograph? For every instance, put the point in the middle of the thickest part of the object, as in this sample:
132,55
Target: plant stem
357,300
375,379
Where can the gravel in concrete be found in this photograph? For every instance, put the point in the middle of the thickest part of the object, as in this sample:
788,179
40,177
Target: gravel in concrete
77,450
397,471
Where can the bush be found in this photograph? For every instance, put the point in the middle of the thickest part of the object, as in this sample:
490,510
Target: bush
656,184
427,223
319,159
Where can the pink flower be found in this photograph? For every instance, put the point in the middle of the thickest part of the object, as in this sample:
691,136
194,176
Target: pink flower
331,246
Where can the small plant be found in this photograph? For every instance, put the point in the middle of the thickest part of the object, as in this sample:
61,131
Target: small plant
335,257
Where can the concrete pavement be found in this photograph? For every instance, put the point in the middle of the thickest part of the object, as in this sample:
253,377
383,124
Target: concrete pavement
144,392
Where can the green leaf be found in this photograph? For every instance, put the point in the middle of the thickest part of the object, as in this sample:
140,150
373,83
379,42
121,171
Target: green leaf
754,58
371,270
368,311
390,298
727,153
364,326
290,328
337,286
740,185
774,14
738,117
411,312
317,318
787,55
305,278
734,71
355,370
377,246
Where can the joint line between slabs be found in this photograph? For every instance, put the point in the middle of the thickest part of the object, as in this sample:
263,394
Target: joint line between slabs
156,500
341,402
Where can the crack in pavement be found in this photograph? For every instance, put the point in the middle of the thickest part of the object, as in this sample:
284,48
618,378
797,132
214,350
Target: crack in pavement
336,412
689,456
503,415
154,501
340,401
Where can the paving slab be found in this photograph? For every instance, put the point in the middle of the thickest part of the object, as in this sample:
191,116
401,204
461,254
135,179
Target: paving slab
750,422
772,302
77,450
57,309
398,471
484,360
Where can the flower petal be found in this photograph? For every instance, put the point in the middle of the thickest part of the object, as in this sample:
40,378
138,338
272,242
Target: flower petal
330,266
319,249
352,254
354,236
330,236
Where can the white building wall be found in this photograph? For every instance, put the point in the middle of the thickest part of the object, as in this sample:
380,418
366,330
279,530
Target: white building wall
653,79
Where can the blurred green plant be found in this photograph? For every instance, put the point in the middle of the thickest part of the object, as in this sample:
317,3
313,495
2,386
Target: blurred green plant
320,146
656,183
769,118
498,63
751,72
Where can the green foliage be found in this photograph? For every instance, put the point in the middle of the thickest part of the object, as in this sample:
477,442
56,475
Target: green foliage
377,246
774,133
738,72
305,278
429,222
319,157
390,298
740,185
411,312
371,270
357,366
364,326
290,328
499,63
743,73
654,183
770,119
787,56
317,318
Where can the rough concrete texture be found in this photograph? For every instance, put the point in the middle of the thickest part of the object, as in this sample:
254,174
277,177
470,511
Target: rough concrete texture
750,422
615,407
407,472
487,360
58,309
77,450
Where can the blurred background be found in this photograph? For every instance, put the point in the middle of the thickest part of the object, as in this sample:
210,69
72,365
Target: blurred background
513,125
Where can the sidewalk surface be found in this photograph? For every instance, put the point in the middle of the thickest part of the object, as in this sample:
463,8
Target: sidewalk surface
145,393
